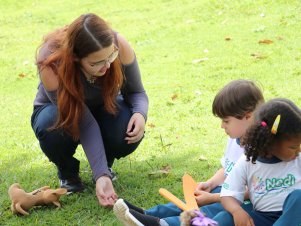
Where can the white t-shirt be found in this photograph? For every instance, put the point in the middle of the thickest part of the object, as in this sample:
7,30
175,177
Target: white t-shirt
268,183
231,156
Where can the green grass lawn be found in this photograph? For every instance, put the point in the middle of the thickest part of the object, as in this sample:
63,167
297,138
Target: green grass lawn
187,50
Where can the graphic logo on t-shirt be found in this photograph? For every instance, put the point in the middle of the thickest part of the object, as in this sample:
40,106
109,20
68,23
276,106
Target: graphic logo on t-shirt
278,183
228,166
258,185
225,185
271,184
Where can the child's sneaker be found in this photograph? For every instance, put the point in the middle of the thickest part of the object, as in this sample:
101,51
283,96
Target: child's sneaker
121,210
131,217
132,207
143,219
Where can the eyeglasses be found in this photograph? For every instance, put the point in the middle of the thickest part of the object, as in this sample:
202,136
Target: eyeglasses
109,60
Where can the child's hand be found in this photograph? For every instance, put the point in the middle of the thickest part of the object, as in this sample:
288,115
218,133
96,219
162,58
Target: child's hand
242,218
204,198
203,186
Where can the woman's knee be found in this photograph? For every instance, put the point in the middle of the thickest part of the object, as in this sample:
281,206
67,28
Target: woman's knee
121,149
114,127
44,119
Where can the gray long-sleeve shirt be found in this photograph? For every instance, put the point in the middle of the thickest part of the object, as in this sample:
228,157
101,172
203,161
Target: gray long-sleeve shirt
90,135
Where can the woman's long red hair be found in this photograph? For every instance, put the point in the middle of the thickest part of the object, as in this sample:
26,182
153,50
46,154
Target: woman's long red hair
87,34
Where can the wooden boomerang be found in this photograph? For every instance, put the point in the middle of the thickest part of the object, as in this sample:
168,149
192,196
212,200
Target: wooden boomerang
189,186
169,196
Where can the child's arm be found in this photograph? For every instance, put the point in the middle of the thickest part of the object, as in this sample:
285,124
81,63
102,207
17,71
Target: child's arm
202,192
217,179
234,191
240,217
205,198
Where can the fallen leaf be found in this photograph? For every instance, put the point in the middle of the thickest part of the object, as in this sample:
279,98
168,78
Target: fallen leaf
202,158
195,61
166,167
151,125
22,75
175,96
198,92
258,55
228,38
158,173
164,171
259,29
265,41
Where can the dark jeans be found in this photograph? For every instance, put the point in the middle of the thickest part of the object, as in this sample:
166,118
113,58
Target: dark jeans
289,216
59,147
171,213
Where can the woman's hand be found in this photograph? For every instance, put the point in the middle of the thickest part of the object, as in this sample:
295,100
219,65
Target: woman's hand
105,192
135,129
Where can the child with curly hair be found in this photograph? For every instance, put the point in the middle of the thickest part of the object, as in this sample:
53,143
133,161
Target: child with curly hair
271,170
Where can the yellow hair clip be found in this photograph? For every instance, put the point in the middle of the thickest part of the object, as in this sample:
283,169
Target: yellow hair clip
275,125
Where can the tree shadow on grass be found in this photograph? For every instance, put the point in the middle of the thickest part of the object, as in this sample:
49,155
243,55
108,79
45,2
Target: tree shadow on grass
135,183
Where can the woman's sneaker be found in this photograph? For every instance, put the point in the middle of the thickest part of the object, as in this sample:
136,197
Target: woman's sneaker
114,174
72,185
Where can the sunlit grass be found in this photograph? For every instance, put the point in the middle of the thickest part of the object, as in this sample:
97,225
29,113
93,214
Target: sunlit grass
187,50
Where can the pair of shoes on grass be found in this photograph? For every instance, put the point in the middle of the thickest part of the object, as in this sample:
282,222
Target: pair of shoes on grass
131,215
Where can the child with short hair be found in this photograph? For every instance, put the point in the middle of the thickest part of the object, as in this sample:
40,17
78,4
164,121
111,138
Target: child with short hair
271,170
234,104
